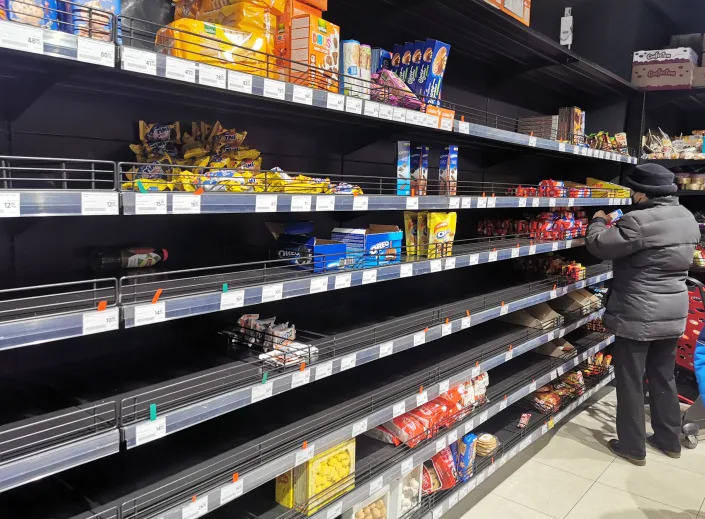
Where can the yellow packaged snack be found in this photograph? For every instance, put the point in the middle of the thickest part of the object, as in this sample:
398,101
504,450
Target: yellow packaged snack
411,230
236,48
314,484
276,6
441,233
186,8
422,234
160,132
605,189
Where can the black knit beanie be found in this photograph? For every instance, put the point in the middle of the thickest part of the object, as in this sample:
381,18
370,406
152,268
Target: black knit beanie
651,179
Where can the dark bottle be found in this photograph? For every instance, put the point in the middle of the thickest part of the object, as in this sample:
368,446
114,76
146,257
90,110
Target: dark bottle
132,258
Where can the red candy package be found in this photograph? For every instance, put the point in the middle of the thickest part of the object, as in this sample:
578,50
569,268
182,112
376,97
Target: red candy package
407,429
444,466
428,414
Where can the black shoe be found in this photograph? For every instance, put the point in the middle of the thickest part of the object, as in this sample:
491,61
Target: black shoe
614,447
671,454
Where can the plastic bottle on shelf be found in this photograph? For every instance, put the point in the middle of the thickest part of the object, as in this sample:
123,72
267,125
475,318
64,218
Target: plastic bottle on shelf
133,257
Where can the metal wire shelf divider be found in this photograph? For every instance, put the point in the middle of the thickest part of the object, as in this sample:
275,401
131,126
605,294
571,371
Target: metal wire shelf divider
48,174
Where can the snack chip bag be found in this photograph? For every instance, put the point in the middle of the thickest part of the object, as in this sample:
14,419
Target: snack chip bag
441,233
411,232
422,234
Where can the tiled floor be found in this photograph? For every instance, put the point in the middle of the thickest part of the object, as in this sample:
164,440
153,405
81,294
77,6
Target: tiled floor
576,477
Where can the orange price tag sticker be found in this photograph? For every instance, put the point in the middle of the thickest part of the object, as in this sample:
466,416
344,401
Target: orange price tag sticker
198,191
102,305
156,297
236,476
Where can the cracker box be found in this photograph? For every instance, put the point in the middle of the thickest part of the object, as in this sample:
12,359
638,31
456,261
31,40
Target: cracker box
518,9
607,189
403,168
419,170
448,171
396,58
304,487
405,494
433,66
663,76
678,55
372,247
315,49
465,460
405,61
415,65
444,116
376,506
282,42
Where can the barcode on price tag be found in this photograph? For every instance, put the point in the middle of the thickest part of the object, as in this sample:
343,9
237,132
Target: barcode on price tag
95,204
98,322
150,314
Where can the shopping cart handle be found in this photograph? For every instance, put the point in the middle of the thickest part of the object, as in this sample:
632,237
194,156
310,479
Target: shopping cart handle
696,283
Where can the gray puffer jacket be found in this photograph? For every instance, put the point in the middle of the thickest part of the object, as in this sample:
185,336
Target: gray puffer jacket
652,248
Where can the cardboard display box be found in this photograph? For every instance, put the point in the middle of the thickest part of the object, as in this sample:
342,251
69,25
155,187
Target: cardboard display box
663,76
518,9
678,55
699,77
372,247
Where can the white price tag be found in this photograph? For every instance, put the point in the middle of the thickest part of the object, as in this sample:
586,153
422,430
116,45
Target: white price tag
318,285
532,386
465,322
561,146
95,51
300,378
195,509
584,151
360,203
560,371
232,299
436,265
440,444
150,203
475,371
553,294
576,361
262,391
466,202
150,314
343,280
300,203
230,492
482,202
407,465
532,141
98,322
469,425
452,436
303,455
385,112
399,114
535,202
504,309
454,202
274,89
576,150
359,427
568,244
266,203
544,429
302,95
136,60
406,270
443,387
446,329
513,452
421,398
515,252
419,338
484,416
325,203
272,292
212,76
437,512
335,510
398,409
522,202
371,109
493,255
239,82
508,355
491,202
474,259
369,276
525,443
185,204
386,349
151,430
412,203
491,469
324,369
449,264
180,69
532,250
481,477
335,102
353,105
447,124
348,362
463,492
464,127
551,202
10,203
91,204
376,485
554,246
550,336
21,37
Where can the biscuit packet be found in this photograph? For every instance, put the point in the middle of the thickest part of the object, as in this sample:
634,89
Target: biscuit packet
155,132
422,234
441,233
411,232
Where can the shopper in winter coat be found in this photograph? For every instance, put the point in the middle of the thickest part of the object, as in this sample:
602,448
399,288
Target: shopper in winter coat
652,249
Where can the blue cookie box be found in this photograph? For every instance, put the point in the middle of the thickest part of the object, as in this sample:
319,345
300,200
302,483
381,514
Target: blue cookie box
379,245
308,252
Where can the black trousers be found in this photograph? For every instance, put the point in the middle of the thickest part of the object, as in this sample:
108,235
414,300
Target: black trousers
656,359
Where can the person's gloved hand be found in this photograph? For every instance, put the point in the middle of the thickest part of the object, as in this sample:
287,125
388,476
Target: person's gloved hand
601,214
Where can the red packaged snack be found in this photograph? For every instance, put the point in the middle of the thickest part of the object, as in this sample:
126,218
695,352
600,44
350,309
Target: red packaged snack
428,414
406,429
429,479
382,434
444,465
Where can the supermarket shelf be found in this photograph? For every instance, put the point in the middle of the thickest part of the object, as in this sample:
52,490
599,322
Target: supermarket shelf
200,291
33,315
673,163
144,71
690,100
269,467
220,203
371,346
462,490
388,475
689,192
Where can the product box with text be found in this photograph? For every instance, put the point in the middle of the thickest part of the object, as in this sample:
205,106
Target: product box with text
433,65
448,171
282,43
315,49
403,168
372,247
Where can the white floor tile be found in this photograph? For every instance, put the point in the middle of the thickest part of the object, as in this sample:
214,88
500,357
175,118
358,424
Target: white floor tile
603,502
693,460
582,458
493,506
540,487
658,481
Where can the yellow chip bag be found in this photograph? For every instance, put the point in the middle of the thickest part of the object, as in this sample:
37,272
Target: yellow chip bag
441,233
422,234
411,230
